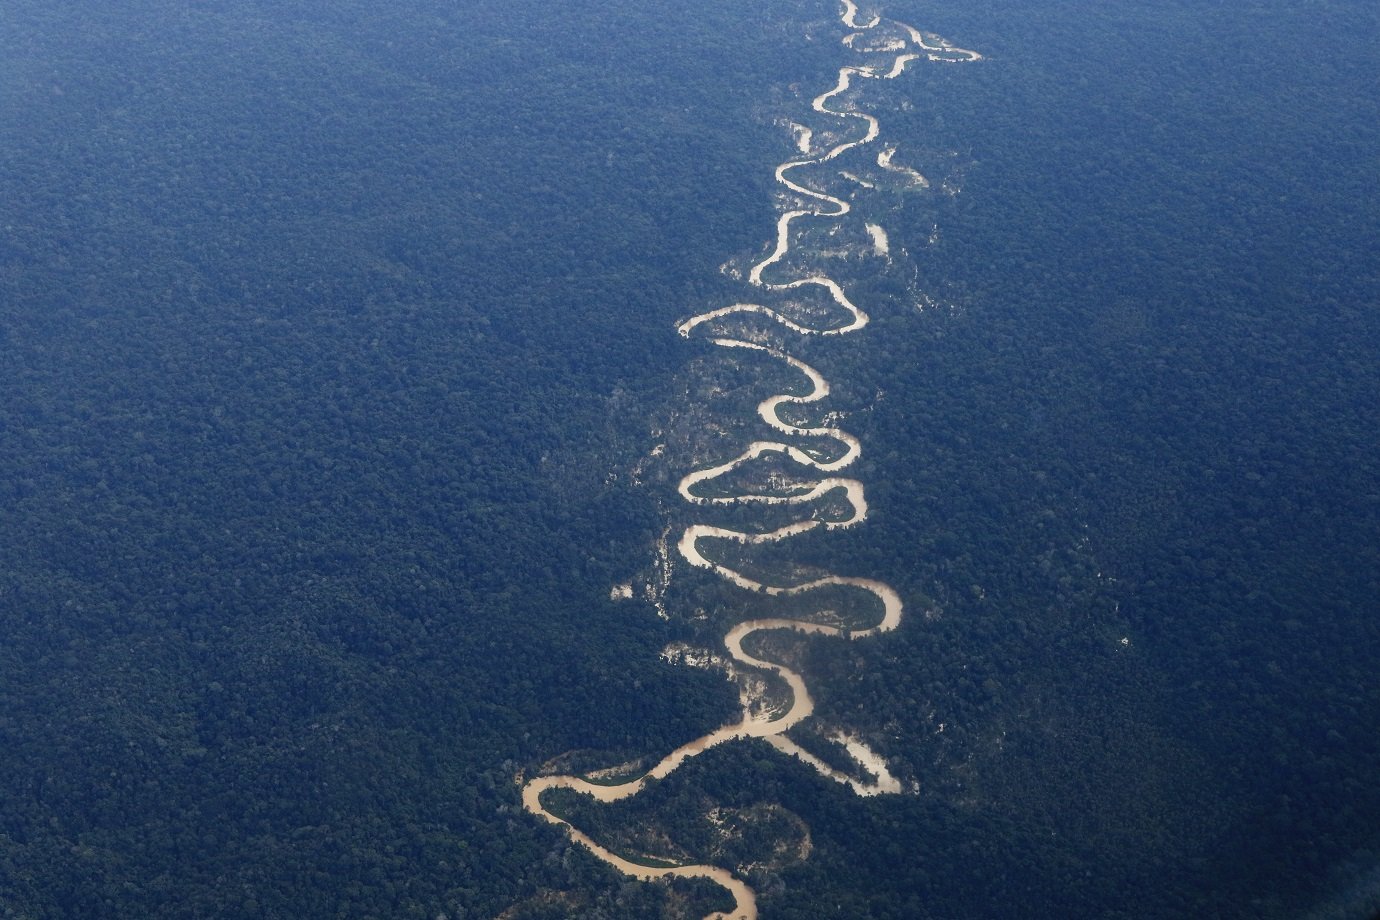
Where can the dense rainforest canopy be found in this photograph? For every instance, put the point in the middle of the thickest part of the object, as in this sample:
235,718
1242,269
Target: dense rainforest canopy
335,337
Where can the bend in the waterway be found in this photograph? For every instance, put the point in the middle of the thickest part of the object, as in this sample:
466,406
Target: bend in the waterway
818,473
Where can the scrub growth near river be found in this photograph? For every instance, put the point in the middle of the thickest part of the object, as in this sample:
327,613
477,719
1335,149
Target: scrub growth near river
795,475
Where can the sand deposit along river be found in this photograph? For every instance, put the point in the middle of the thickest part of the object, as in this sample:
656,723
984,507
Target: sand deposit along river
818,453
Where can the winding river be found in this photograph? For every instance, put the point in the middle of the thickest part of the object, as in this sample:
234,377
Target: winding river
894,45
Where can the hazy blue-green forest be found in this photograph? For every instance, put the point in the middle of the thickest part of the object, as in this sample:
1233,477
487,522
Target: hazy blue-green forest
334,337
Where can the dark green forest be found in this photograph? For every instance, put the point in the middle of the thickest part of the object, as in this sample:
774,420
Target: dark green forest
334,338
